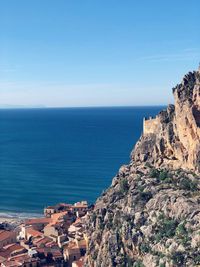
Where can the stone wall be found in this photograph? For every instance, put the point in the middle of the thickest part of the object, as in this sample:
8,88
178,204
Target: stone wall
150,125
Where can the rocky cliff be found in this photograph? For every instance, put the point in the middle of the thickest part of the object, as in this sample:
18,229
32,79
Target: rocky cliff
150,215
175,140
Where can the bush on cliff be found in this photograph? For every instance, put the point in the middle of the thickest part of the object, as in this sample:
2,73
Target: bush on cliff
124,187
187,184
166,228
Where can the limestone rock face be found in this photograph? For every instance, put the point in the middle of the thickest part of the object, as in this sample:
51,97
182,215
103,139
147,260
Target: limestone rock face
173,138
150,215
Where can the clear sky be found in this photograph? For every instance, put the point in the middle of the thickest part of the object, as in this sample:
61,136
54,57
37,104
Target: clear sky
96,53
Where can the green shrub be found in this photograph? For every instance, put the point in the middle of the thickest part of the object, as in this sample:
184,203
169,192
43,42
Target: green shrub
138,264
167,228
124,186
144,248
178,258
197,259
187,184
129,261
185,240
161,217
168,180
181,230
145,196
140,188
163,175
154,173
182,234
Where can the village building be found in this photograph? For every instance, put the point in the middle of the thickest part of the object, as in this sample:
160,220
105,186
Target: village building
78,263
41,242
55,232
10,251
28,232
48,211
52,256
74,250
38,223
7,237
57,239
21,260
71,252
80,206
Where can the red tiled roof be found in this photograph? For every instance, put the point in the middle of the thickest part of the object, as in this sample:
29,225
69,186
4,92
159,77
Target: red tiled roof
9,249
11,263
23,258
42,240
33,232
37,221
51,244
57,254
56,216
6,234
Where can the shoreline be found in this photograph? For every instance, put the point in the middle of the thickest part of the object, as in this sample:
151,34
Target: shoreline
14,219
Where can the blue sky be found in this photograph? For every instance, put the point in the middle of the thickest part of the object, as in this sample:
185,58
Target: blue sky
95,53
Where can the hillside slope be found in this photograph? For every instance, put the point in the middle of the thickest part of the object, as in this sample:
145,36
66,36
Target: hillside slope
150,215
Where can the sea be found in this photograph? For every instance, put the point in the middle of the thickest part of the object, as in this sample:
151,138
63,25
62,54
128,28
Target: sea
48,156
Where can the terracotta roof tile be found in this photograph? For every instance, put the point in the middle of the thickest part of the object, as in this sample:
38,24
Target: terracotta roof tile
33,232
37,221
6,234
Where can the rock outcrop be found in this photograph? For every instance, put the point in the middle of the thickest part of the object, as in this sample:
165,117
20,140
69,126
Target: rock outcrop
173,138
150,215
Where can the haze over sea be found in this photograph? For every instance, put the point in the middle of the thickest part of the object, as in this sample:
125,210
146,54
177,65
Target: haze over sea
49,156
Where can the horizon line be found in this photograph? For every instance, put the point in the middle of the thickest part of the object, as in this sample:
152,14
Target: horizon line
73,107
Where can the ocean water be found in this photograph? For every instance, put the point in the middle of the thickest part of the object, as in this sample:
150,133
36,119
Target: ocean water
49,156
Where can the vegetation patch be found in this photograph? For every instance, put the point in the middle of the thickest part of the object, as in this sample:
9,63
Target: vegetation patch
166,228
154,173
178,258
138,264
145,196
124,186
160,175
187,184
182,234
144,248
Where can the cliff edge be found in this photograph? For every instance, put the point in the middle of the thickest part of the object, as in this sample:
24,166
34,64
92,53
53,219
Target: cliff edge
172,139
150,215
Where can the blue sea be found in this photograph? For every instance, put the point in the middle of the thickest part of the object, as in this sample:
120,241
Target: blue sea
49,156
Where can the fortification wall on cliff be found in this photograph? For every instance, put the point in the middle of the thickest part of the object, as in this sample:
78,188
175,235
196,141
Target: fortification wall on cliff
150,125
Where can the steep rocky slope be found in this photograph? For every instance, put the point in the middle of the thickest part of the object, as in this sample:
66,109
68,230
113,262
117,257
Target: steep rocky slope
150,215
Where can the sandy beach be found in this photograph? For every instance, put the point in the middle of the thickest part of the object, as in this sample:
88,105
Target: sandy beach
12,220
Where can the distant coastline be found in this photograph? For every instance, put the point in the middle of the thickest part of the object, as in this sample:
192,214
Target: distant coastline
20,106
77,107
